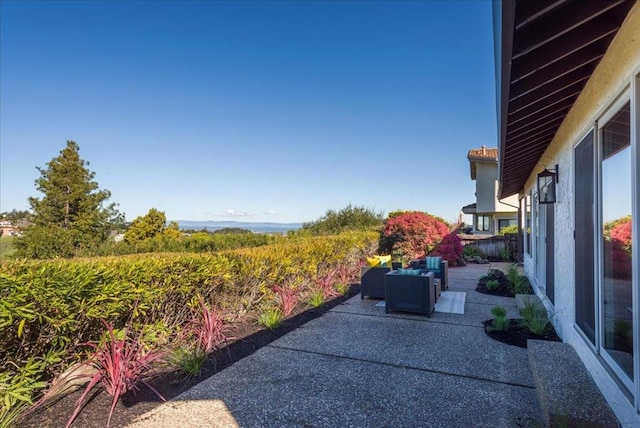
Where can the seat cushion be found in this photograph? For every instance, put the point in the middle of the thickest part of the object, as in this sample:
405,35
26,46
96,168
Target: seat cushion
413,272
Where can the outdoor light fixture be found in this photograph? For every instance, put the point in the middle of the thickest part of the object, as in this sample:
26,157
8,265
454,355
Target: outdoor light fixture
547,180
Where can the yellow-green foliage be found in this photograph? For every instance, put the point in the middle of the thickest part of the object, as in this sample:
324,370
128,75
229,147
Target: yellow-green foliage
51,305
172,240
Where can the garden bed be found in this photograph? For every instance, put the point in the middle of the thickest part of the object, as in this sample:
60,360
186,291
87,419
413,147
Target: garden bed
517,335
248,337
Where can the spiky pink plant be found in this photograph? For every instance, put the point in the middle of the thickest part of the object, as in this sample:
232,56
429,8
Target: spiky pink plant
325,282
121,364
345,273
208,327
288,297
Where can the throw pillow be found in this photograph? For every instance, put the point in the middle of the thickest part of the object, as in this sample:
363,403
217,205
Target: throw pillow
373,261
433,263
385,261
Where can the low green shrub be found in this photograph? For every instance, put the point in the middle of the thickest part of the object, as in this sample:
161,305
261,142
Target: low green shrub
271,318
493,284
316,298
534,318
470,251
508,229
500,321
189,360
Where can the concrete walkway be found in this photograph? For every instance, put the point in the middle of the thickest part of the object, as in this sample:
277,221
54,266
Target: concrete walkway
357,366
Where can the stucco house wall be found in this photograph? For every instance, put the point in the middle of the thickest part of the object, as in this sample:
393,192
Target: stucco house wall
486,180
620,63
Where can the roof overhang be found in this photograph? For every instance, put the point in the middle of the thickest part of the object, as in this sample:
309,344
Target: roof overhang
546,51
469,209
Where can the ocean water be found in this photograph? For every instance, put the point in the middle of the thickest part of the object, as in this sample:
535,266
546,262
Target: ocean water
256,227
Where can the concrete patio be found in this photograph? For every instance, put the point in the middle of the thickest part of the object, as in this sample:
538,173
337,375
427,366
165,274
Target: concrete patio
357,366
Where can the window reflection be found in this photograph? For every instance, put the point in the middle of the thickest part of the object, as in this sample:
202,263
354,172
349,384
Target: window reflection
617,240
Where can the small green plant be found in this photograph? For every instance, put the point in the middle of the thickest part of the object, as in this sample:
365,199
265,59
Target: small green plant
534,318
270,318
506,254
342,288
493,284
498,311
516,281
470,251
500,321
190,360
16,389
316,299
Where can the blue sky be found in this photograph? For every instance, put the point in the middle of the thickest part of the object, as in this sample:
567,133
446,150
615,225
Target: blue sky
252,111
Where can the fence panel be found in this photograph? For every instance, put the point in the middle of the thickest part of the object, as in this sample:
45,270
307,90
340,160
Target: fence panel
495,247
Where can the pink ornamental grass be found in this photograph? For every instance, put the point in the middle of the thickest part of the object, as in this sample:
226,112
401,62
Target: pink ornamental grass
121,364
324,283
208,327
287,297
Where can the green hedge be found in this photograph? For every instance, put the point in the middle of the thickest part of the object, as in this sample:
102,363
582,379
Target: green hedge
50,308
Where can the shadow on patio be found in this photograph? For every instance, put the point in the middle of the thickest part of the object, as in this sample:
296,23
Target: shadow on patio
357,366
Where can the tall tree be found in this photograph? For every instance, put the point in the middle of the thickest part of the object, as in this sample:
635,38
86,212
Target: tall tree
72,216
146,226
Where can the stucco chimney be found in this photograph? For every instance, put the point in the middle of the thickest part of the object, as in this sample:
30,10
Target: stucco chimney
484,150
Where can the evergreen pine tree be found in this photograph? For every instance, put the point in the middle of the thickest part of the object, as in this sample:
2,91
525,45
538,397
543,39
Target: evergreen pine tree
71,218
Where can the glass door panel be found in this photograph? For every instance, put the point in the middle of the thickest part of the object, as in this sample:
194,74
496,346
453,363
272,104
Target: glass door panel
616,238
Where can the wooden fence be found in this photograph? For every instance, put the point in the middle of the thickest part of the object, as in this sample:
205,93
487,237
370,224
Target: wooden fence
495,247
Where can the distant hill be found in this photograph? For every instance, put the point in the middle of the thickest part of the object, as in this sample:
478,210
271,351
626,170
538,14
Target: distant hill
260,227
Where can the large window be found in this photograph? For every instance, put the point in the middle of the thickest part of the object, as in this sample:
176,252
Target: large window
506,222
483,223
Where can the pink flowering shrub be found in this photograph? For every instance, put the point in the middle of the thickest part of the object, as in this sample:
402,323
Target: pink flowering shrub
621,232
617,248
413,234
450,248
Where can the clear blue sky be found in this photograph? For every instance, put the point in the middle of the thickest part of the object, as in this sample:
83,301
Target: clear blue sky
252,111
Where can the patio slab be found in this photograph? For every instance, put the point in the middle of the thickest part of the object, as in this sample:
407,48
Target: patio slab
287,388
474,314
419,344
358,366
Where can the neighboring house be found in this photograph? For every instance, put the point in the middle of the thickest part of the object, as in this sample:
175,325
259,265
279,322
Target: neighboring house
490,214
7,229
568,82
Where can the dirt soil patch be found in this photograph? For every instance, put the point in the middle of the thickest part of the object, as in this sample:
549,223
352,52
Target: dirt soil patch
248,337
518,335
502,291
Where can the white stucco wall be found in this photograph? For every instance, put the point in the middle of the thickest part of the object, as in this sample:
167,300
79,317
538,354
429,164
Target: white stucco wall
487,191
611,76
486,180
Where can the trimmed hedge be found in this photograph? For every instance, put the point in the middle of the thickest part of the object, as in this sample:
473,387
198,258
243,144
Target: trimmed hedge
53,307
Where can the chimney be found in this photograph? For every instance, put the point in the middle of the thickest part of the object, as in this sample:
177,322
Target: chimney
484,150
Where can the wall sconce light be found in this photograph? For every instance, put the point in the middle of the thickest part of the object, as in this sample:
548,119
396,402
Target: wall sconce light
547,180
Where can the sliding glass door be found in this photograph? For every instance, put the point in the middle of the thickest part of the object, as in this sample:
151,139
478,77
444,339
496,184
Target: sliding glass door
616,246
